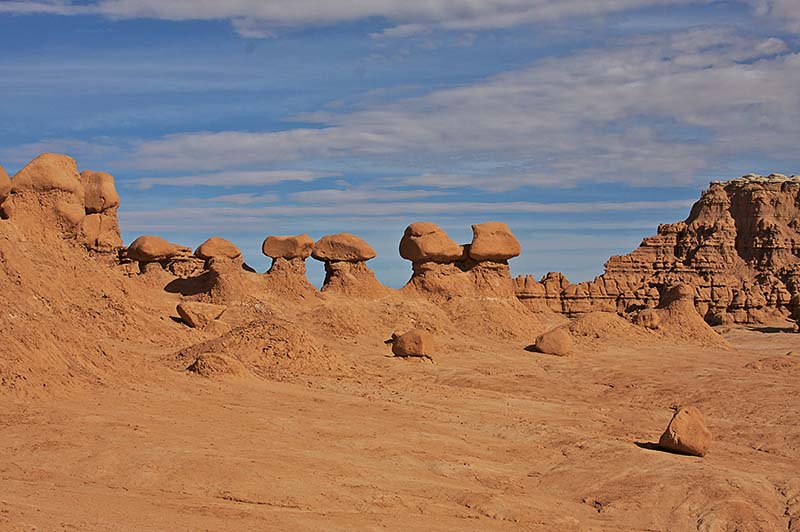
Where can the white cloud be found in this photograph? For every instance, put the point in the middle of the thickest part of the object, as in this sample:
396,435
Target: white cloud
655,110
228,179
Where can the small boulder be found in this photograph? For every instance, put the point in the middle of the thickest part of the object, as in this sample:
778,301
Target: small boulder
687,433
48,172
493,241
5,184
555,342
416,343
648,318
342,247
288,247
217,248
150,248
427,242
99,194
199,315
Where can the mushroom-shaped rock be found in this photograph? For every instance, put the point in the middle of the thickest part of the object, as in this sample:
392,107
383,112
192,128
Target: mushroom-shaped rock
288,247
199,315
342,247
426,241
48,172
217,248
555,342
5,184
686,433
149,248
415,343
493,241
100,194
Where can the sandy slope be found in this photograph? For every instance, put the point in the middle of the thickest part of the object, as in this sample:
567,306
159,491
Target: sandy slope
490,437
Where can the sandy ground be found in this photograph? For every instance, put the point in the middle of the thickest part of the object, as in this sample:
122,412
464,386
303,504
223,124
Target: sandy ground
491,437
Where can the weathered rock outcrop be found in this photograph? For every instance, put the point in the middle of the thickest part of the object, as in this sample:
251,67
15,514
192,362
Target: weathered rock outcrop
442,268
155,252
739,251
287,274
686,433
217,248
346,272
100,226
5,185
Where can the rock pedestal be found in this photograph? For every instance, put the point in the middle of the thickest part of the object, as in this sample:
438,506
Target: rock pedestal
346,271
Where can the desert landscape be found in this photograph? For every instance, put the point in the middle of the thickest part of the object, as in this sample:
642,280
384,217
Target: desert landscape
150,386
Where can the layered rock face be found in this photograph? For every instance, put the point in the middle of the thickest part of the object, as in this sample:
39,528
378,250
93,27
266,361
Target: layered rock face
443,268
739,251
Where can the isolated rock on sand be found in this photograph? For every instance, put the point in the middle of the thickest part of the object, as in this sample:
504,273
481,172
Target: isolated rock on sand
5,184
648,318
342,247
493,241
288,247
199,315
217,248
149,248
100,194
687,433
49,172
415,343
213,365
426,241
555,342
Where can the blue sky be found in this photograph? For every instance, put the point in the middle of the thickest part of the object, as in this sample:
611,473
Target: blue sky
581,123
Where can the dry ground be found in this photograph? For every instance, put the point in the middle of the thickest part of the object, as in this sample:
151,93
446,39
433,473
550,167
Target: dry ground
491,437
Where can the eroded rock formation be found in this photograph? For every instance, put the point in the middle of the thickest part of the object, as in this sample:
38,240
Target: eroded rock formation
346,271
739,251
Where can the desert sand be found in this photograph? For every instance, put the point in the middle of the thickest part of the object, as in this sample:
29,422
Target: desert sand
283,408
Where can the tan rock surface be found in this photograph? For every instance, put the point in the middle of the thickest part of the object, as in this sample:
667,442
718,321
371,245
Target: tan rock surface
416,343
5,184
555,342
687,433
48,172
493,241
288,247
100,193
425,241
217,248
342,247
149,248
199,315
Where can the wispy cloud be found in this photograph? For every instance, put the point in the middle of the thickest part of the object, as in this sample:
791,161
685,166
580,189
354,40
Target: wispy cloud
228,179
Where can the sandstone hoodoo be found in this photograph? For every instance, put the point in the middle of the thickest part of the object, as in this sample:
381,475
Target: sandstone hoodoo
217,248
416,343
100,226
427,242
737,249
556,342
687,433
493,241
49,172
199,315
346,272
287,274
148,248
442,268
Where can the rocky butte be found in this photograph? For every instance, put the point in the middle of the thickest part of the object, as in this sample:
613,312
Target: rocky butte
739,251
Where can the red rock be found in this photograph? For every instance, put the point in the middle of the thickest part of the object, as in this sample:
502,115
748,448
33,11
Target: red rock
217,248
288,247
687,433
48,172
425,241
150,248
556,341
100,194
199,315
493,241
415,343
5,184
342,247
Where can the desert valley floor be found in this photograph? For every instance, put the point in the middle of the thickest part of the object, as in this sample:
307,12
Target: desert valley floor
491,437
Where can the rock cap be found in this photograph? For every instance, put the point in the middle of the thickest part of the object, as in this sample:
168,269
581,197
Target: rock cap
149,248
47,172
288,247
100,194
217,248
427,242
493,241
342,247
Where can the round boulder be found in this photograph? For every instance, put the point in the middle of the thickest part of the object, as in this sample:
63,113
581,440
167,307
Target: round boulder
48,172
427,242
199,315
687,433
100,193
416,343
217,248
493,241
288,247
555,342
342,247
149,248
